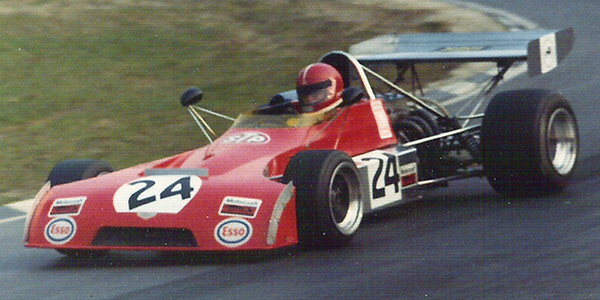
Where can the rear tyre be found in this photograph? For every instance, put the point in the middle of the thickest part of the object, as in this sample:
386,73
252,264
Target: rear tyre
529,142
418,125
76,170
329,206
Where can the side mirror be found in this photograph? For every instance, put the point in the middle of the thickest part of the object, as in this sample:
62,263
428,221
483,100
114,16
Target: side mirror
352,95
191,96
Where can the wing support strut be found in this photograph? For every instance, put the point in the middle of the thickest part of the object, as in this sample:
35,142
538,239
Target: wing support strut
405,93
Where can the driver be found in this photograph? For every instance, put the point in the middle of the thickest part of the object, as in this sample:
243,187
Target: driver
319,87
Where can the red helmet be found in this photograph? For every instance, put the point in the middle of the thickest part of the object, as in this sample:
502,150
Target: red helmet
319,86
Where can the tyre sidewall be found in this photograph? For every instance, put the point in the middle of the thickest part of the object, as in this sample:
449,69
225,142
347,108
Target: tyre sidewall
547,170
77,169
515,154
312,171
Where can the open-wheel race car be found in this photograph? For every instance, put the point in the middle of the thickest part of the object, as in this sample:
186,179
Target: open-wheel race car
285,175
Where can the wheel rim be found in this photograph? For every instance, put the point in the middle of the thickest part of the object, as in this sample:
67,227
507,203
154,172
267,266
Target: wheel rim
561,141
345,199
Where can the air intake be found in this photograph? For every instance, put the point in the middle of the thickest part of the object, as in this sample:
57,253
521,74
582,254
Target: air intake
144,237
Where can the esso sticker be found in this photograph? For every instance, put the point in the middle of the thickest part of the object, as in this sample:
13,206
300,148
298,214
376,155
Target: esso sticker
156,194
248,138
60,230
233,232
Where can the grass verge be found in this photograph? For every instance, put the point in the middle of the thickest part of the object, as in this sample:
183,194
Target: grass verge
101,79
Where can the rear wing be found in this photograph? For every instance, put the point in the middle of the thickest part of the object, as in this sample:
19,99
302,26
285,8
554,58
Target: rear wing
543,50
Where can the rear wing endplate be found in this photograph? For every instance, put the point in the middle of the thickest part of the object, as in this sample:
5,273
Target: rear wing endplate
542,50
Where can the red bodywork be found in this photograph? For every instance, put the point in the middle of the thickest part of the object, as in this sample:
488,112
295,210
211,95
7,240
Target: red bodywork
244,163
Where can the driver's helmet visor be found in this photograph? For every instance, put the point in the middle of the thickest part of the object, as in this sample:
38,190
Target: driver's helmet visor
316,93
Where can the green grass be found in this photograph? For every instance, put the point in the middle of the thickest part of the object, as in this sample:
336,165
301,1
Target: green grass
101,79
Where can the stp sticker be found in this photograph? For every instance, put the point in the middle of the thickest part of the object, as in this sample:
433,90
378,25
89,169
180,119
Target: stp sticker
248,138
233,232
239,207
60,230
156,194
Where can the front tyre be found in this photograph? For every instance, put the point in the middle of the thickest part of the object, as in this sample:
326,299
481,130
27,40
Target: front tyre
529,143
75,170
329,206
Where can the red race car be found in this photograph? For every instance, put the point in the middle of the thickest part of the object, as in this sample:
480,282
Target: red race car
304,168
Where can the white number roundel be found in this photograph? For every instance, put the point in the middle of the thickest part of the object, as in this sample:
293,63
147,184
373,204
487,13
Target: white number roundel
156,194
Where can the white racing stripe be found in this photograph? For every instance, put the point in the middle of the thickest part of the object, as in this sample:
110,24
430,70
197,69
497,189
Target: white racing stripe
17,218
21,206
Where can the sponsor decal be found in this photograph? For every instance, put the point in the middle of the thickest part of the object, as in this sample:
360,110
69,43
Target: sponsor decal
408,169
409,174
60,230
67,206
233,232
382,120
248,138
548,53
239,207
156,194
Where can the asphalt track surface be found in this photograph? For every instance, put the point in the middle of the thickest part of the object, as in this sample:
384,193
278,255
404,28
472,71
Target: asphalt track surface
462,242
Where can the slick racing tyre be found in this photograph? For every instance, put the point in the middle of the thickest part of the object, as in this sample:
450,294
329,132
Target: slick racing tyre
529,142
329,206
75,170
